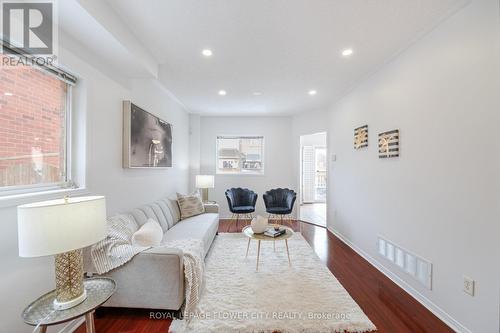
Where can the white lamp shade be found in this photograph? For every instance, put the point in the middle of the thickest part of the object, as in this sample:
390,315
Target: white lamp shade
62,225
205,181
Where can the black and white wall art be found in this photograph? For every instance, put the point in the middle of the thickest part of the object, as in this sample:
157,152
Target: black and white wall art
361,137
388,144
147,139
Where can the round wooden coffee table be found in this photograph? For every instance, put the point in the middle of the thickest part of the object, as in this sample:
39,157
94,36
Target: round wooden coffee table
247,231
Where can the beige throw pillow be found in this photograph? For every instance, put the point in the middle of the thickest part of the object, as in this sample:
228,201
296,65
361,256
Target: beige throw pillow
190,205
149,234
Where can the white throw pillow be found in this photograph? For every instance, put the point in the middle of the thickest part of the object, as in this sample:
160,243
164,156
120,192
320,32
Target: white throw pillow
190,205
149,234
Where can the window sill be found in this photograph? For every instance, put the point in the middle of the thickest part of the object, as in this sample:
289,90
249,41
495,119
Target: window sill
24,198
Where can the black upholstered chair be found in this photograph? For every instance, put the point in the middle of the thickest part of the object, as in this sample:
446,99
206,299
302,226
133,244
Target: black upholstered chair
279,203
241,202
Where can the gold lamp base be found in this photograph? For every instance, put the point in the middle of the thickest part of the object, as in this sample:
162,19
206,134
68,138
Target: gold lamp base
204,194
69,280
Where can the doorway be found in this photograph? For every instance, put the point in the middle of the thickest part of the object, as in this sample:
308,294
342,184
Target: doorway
313,178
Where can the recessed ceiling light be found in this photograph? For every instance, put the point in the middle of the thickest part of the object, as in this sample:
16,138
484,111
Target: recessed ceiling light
8,94
312,92
257,93
222,92
207,52
347,52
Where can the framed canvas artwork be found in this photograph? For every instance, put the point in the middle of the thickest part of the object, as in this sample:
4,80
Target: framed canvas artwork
388,144
147,139
361,137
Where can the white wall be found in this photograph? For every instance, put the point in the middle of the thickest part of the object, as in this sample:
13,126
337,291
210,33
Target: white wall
278,169
440,198
309,122
125,188
317,139
100,101
194,149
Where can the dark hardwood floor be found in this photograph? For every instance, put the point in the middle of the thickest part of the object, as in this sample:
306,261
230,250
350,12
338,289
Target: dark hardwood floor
390,308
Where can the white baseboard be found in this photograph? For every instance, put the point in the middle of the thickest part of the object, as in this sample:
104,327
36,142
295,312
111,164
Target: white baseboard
72,325
428,304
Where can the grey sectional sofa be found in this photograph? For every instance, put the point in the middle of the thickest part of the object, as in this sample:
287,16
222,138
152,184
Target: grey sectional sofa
154,279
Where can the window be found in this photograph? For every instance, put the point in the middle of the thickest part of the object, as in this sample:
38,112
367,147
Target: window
240,155
34,136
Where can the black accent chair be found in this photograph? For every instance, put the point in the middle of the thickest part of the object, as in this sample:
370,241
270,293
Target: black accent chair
279,203
241,202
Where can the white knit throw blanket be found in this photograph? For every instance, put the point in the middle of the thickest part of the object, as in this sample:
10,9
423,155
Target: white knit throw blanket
194,267
117,249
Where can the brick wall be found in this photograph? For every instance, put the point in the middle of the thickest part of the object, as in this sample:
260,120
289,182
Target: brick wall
32,106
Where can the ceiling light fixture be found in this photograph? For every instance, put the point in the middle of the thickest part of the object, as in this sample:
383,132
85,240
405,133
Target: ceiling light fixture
207,52
8,94
312,92
257,93
347,52
222,92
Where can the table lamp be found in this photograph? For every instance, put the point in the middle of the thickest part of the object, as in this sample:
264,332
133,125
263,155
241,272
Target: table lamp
62,228
204,182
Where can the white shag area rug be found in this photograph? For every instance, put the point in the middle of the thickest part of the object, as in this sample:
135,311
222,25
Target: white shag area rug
305,297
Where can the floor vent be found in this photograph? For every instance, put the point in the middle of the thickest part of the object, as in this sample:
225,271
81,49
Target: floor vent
415,266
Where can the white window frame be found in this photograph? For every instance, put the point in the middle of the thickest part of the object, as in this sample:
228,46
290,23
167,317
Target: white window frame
233,136
8,192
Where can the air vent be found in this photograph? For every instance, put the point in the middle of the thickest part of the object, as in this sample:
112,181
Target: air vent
413,265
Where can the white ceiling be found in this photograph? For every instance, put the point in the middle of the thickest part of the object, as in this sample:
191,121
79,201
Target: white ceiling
282,48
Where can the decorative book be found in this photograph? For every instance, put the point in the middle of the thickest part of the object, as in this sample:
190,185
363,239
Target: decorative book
271,232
